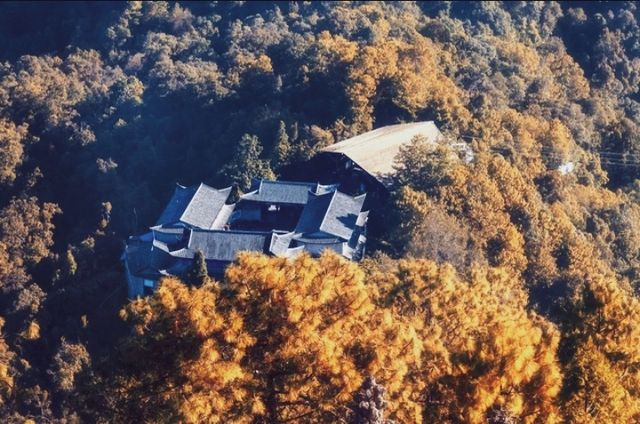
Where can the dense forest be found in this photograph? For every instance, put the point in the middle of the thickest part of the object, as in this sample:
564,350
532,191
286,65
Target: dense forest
503,290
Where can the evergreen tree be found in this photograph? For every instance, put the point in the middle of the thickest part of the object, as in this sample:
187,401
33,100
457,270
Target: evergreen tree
197,272
246,163
282,147
424,166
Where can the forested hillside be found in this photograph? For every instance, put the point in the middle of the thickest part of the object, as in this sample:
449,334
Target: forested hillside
504,290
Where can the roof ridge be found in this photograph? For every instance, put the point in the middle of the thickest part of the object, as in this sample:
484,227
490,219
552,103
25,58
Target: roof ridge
219,190
376,131
287,182
190,238
203,188
206,230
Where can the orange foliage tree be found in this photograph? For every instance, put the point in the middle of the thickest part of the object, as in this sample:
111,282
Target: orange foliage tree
277,341
293,340
482,349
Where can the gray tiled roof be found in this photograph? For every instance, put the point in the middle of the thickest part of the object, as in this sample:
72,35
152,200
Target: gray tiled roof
223,217
205,205
313,213
334,214
197,206
342,215
280,243
168,234
143,258
289,192
193,219
225,245
177,205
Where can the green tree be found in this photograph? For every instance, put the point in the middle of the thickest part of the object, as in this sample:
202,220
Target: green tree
423,165
197,274
282,148
246,163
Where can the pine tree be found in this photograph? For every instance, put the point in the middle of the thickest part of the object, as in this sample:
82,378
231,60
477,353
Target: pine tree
246,163
282,148
271,352
424,166
197,274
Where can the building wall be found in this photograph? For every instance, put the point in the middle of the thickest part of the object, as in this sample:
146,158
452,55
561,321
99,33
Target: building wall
315,249
168,238
247,213
135,285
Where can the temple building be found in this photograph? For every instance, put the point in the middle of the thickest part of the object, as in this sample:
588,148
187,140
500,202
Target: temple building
325,206
279,218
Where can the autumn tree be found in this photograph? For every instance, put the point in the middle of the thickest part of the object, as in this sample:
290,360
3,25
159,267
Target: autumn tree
600,325
12,140
317,340
254,347
68,362
26,228
7,372
482,348
183,361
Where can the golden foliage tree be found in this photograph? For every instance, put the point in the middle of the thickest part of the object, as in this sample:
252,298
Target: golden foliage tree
7,370
183,362
602,330
279,341
482,348
318,335
11,149
293,340
26,228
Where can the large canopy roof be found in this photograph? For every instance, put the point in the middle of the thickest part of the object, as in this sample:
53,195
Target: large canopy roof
375,151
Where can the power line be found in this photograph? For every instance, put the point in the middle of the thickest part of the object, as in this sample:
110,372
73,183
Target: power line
605,157
607,153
